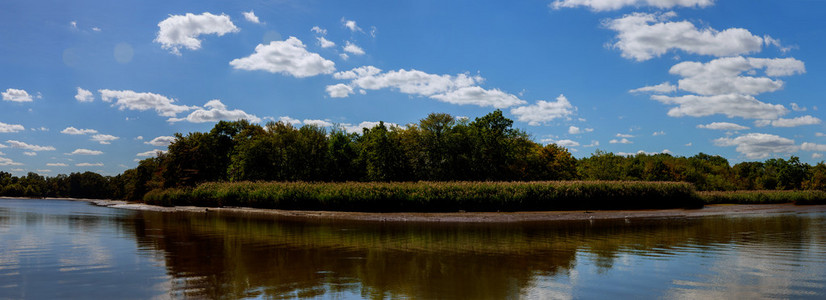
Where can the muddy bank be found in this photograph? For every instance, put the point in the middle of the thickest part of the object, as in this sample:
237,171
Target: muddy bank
477,217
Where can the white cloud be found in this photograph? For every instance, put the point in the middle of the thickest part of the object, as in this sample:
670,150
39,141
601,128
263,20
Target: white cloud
658,133
89,165
151,153
75,131
85,152
365,71
161,141
132,100
344,56
759,145
624,135
566,143
8,162
250,16
796,107
643,36
813,147
178,31
350,24
662,88
818,134
325,43
544,111
817,155
366,124
724,75
30,153
339,90
84,95
319,123
11,128
577,130
288,120
73,24
353,49
730,105
606,5
56,165
319,30
96,29
22,145
214,111
620,141
666,151
286,57
723,126
16,95
793,122
476,95
104,139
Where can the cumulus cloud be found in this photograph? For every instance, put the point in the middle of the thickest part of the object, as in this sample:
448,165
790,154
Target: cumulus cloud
459,89
577,130
476,95
132,100
56,165
288,57
624,135
151,153
544,111
22,145
104,139
250,16
366,124
759,145
161,141
566,143
214,111
9,162
643,36
620,141
662,88
16,95
325,43
288,120
724,75
339,90
319,30
74,131
89,165
179,31
85,152
350,24
730,105
723,126
796,107
607,5
84,95
11,128
353,49
793,122
319,123
30,153
666,151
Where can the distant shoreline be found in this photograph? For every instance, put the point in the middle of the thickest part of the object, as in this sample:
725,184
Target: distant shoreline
475,217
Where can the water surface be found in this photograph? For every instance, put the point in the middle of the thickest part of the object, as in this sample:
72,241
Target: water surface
67,249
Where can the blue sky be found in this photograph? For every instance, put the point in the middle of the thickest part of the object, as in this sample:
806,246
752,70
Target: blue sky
99,85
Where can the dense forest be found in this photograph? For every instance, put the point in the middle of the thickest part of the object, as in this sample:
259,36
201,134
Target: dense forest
439,148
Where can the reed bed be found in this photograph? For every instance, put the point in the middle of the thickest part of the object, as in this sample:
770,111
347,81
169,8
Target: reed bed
435,196
764,197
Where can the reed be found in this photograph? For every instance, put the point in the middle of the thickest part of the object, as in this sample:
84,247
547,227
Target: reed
435,196
764,197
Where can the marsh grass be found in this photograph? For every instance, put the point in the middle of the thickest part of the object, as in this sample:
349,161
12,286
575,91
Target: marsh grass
764,197
435,196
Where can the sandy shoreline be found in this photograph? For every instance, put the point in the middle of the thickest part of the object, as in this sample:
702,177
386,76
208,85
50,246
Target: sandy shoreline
476,217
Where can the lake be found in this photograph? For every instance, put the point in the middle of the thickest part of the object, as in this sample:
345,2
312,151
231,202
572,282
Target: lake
70,249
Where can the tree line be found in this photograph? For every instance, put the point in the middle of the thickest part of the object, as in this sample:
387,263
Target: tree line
439,148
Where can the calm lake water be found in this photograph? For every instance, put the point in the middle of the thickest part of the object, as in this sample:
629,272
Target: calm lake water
65,249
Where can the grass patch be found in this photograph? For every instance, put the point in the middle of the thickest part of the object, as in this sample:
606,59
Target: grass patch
435,196
764,197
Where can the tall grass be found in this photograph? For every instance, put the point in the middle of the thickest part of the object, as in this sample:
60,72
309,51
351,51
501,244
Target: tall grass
764,197
435,196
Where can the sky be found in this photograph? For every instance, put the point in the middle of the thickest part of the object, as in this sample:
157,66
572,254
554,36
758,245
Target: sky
99,85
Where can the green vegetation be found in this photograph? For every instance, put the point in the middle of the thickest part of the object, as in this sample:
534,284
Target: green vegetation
435,196
764,197
440,148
